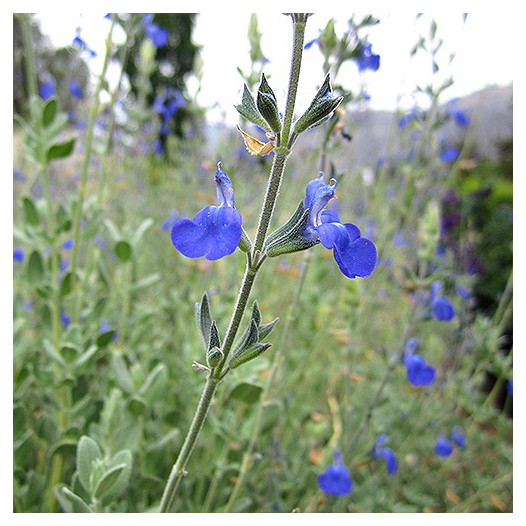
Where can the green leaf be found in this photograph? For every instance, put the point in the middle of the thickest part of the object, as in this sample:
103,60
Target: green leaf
35,268
246,392
85,356
143,227
71,502
122,375
59,150
30,212
49,113
123,250
144,283
116,478
53,353
88,452
104,338
155,384
65,286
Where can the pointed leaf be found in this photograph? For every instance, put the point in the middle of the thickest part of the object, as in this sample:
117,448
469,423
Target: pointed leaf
88,452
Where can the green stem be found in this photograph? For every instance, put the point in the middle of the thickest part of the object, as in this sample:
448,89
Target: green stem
276,361
84,176
178,470
253,265
32,85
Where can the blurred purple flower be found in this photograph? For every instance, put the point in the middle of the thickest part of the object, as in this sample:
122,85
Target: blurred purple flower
443,446
18,255
391,462
47,89
440,306
367,59
449,154
75,89
157,34
336,479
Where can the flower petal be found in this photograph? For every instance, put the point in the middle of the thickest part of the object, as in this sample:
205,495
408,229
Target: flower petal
356,259
336,480
214,232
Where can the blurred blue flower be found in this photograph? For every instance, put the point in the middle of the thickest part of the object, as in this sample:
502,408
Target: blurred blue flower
75,89
309,44
449,154
18,255
367,59
80,43
419,373
65,319
215,231
68,244
169,223
440,306
336,479
509,387
47,89
157,34
443,446
458,437
391,463
105,327
355,255
18,175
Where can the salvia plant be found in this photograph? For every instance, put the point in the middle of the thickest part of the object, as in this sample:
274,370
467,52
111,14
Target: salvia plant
351,378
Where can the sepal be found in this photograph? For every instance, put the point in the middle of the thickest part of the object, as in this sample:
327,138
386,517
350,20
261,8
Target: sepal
320,109
289,237
268,105
248,354
245,244
203,319
249,110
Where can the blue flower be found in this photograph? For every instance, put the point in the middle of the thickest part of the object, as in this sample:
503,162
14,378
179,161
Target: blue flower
367,59
65,319
419,373
391,463
157,34
509,387
18,255
336,479
68,244
215,231
440,306
80,43
105,327
449,154
458,437
75,89
47,89
443,446
355,255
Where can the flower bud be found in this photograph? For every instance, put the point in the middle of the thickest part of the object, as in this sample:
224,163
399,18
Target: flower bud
289,237
249,110
268,105
214,357
320,109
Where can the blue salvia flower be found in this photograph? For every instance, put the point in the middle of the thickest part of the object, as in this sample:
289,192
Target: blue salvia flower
440,306
449,154
367,59
443,446
215,231
336,479
157,34
65,319
391,463
68,244
458,437
419,373
47,89
355,255
75,89
18,255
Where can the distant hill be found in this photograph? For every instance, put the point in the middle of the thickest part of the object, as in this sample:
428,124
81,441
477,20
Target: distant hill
374,133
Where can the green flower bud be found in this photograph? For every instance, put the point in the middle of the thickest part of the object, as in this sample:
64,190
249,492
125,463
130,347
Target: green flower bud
203,318
320,109
248,109
214,357
248,354
268,105
288,238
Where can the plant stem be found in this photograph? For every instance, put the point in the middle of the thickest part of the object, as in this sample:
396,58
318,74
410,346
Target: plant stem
84,176
253,264
178,470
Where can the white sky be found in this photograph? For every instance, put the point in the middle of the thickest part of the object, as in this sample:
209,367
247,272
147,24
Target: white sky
483,54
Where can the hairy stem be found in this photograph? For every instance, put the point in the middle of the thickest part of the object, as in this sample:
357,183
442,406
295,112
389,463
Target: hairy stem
253,265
